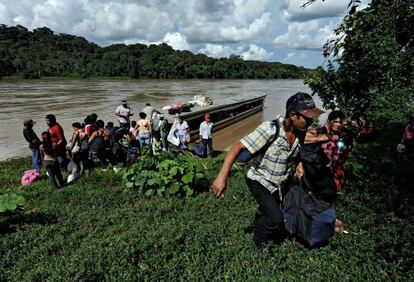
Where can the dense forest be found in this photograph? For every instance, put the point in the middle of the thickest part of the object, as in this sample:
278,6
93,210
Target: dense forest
38,53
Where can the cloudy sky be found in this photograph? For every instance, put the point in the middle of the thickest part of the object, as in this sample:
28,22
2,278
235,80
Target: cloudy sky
267,30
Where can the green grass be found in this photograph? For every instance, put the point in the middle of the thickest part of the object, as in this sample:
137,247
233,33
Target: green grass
98,230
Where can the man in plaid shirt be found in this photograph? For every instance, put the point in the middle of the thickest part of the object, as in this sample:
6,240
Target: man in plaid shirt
272,167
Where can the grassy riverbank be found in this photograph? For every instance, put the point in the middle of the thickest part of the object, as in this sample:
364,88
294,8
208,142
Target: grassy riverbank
99,230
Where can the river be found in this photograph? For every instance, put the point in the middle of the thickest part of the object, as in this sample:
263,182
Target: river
71,101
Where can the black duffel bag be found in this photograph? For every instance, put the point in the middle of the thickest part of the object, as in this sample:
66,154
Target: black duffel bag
308,217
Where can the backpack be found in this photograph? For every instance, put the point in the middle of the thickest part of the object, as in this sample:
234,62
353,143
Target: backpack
245,157
30,176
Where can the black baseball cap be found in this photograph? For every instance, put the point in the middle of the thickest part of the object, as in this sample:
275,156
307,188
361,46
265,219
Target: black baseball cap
303,103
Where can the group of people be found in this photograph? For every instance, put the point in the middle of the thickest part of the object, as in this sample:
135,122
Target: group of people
283,151
289,150
108,144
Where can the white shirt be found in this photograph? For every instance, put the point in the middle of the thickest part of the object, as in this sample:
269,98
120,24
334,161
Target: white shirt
182,128
123,111
148,110
205,129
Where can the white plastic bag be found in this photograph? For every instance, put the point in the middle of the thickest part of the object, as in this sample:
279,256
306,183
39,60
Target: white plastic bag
172,135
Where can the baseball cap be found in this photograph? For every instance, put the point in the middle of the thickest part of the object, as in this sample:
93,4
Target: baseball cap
27,122
303,103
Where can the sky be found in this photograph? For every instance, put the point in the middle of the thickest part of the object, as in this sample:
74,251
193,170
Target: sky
265,30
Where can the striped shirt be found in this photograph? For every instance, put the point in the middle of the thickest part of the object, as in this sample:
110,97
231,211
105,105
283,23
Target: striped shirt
278,162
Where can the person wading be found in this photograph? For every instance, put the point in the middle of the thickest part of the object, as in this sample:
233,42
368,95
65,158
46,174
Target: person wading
271,168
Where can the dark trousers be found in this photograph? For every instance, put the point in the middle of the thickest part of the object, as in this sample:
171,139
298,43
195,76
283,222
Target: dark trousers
124,125
270,217
207,143
54,173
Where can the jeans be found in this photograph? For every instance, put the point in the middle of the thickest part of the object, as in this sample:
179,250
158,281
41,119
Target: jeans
270,218
144,139
207,143
36,161
54,173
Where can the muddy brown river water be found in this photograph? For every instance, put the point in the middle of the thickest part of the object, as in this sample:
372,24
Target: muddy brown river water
71,101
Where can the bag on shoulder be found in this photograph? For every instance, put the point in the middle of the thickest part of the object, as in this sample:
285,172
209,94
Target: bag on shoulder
312,219
30,176
245,156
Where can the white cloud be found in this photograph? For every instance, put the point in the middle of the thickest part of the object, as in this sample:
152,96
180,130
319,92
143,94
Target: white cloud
217,50
233,33
228,21
255,52
306,35
177,41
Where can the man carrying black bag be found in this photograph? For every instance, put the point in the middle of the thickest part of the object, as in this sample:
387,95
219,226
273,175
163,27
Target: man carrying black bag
272,167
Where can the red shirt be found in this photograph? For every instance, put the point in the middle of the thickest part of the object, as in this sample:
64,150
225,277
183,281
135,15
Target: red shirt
409,132
56,132
89,129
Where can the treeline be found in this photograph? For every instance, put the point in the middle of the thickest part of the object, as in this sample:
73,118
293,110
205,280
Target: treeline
38,53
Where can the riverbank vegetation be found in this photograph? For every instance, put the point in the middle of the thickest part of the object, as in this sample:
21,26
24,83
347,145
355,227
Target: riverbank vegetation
99,229
42,53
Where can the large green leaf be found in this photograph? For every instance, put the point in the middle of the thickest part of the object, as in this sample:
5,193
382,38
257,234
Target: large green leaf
187,178
10,202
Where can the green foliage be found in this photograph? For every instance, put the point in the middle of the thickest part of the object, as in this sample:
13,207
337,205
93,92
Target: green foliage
372,65
10,202
97,229
163,175
42,53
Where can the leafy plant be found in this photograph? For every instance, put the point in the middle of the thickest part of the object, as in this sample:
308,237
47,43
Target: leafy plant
10,202
163,175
